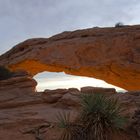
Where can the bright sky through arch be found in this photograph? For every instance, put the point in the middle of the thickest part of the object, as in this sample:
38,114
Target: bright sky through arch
52,80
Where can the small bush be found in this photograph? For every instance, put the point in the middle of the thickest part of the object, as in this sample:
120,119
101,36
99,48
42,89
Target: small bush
100,116
5,73
71,130
119,24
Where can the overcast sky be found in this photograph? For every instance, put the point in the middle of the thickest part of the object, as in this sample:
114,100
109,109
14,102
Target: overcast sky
23,19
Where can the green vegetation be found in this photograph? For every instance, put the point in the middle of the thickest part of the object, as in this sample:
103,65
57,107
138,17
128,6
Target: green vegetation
71,130
99,117
5,73
119,24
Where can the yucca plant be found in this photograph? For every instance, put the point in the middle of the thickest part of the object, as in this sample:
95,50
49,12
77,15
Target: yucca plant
100,115
71,130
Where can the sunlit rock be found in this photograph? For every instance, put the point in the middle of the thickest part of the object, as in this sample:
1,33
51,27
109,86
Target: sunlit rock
110,54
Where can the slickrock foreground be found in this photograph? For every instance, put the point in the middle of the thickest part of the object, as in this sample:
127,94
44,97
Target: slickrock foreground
26,114
110,54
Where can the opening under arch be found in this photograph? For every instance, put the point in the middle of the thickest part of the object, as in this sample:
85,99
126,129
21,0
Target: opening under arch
53,80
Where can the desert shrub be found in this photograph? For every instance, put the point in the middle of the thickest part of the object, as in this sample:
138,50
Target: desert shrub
71,130
119,24
99,117
5,73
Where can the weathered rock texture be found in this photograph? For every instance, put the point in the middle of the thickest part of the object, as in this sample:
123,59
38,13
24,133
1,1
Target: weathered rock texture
19,84
22,113
18,90
93,90
110,54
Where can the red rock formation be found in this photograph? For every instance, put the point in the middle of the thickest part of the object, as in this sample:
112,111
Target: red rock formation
23,84
18,90
21,111
110,54
106,91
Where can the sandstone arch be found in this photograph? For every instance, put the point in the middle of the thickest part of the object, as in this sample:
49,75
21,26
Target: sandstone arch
110,54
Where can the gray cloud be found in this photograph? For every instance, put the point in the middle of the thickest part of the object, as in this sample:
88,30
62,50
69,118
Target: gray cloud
22,19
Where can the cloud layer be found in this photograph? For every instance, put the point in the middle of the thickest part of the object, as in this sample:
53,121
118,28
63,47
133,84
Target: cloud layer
52,80
23,19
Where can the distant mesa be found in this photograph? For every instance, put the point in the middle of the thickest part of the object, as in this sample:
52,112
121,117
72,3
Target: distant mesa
110,54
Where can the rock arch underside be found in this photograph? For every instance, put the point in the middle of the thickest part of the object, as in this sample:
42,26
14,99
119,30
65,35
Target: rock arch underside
110,54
